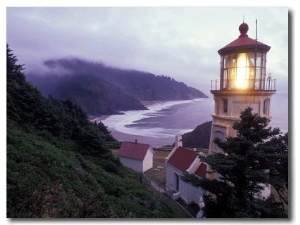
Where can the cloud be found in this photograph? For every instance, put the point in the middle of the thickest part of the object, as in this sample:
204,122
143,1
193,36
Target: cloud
181,42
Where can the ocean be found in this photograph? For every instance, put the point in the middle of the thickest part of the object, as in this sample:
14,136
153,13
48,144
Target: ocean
159,125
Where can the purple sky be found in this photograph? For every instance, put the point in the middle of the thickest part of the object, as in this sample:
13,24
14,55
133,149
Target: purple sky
180,42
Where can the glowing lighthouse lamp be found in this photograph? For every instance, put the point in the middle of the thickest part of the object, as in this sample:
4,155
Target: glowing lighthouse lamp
242,71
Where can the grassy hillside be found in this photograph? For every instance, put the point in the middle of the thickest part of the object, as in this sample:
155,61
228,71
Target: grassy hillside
46,178
58,162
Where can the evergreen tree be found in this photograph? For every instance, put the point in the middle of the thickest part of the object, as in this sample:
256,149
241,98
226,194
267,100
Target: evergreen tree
14,70
257,156
22,97
62,118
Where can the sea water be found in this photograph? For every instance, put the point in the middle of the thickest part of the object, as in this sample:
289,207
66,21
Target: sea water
159,125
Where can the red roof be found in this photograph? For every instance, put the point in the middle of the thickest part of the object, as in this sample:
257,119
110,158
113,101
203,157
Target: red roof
182,158
133,150
243,42
201,170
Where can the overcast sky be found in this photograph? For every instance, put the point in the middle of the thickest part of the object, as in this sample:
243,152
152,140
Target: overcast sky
180,42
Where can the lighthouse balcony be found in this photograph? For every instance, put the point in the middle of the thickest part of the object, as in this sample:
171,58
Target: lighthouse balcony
245,85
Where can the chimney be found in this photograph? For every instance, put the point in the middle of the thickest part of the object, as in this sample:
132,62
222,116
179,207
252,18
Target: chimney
178,141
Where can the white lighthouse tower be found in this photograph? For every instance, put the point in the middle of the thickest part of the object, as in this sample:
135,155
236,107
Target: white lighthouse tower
243,82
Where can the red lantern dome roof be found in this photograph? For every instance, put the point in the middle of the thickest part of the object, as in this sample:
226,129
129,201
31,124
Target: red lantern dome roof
243,28
244,43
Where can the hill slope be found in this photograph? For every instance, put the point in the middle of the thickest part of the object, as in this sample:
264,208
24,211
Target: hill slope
95,95
199,137
46,179
58,163
104,90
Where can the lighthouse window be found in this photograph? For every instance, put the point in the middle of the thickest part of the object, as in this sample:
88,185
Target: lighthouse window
220,135
258,59
266,106
225,105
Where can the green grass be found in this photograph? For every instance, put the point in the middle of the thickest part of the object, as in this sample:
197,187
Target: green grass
48,178
158,172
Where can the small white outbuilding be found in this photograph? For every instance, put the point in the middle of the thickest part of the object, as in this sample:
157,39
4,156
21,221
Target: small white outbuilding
136,156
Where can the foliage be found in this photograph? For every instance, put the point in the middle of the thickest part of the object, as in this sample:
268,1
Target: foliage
46,181
62,118
257,156
58,162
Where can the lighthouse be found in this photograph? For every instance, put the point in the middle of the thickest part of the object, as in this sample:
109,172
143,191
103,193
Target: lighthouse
243,82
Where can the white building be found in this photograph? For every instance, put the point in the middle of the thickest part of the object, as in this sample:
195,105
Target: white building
179,161
136,156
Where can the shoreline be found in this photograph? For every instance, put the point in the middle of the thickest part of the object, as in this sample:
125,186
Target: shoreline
152,141
102,117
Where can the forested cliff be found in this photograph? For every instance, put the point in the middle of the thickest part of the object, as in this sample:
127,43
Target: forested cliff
101,89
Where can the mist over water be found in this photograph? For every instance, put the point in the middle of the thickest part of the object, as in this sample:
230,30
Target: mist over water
159,125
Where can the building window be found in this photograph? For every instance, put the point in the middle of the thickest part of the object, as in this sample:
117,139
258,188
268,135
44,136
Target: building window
176,181
225,105
220,135
266,106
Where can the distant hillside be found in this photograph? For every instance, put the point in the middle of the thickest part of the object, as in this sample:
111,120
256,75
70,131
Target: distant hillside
94,95
199,137
100,89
